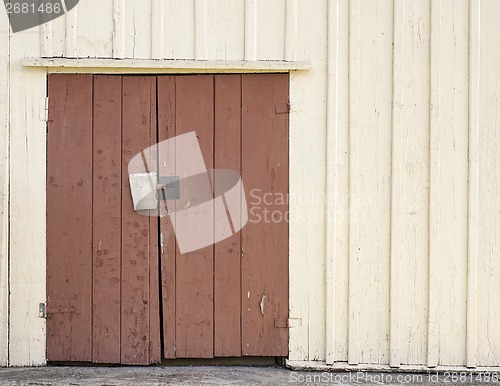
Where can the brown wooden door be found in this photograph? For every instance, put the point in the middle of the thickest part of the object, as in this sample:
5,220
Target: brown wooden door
118,288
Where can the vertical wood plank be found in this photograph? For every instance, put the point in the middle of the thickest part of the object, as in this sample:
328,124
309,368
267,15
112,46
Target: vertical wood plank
56,40
411,180
69,219
396,183
341,210
473,215
201,30
332,174
488,307
94,37
135,300
354,183
299,263
434,199
179,24
194,270
227,269
307,165
166,130
370,177
4,190
453,184
46,37
251,29
264,264
226,30
291,28
71,44
118,29
107,183
137,29
27,241
154,257
270,28
157,18
310,219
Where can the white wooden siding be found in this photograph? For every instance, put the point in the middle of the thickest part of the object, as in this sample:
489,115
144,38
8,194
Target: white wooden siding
27,205
488,158
4,190
395,240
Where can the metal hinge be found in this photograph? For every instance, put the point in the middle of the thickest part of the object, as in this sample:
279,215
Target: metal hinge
44,109
44,313
42,310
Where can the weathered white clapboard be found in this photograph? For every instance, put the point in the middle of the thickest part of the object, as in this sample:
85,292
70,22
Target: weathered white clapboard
395,229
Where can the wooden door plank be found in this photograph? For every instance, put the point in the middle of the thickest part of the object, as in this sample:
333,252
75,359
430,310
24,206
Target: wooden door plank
265,239
107,182
227,275
135,323
69,219
154,274
194,270
166,130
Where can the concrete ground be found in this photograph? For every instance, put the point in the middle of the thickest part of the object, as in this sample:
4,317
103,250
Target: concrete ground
211,375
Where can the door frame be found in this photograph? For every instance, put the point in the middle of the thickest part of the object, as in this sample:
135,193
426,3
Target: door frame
155,73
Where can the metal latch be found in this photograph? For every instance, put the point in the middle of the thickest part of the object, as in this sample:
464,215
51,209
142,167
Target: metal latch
42,310
143,189
44,109
147,190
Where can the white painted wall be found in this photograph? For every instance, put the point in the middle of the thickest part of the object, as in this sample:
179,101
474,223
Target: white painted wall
27,204
393,134
4,189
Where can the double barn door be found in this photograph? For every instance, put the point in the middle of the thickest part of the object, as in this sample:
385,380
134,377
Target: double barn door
118,288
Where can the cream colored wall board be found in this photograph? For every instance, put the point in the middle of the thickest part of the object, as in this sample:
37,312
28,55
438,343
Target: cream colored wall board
4,189
251,29
157,28
488,312
179,29
434,180
341,256
370,173
307,183
94,34
270,26
291,30
200,29
410,181
226,30
57,42
27,203
473,182
393,153
298,263
453,181
138,36
313,166
71,33
337,185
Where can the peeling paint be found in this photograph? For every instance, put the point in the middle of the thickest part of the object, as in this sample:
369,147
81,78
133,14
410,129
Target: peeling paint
263,303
